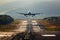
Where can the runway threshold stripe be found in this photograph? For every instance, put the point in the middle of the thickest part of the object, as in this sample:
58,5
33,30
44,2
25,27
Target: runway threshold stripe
50,35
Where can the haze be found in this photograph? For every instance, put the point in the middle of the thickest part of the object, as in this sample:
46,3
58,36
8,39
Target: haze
47,8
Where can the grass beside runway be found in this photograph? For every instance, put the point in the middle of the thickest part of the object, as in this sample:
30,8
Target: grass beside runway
9,27
49,26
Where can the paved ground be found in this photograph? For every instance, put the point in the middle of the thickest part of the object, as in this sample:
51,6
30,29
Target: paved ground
28,29
29,26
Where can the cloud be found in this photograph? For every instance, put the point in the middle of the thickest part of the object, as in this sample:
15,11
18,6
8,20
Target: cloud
48,7
3,12
6,1
25,1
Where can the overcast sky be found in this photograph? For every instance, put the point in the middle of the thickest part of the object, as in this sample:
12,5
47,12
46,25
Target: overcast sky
47,8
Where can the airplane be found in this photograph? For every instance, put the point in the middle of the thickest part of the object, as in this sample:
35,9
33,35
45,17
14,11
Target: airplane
29,14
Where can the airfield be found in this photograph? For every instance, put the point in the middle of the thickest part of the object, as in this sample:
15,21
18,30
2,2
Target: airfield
36,27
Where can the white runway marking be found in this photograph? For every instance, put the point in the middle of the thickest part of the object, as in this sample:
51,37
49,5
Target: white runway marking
34,22
21,26
49,35
36,29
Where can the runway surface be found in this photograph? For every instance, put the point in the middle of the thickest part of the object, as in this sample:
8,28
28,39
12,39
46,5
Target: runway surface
29,25
28,29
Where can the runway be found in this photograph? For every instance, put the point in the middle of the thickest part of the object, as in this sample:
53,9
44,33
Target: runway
28,30
29,26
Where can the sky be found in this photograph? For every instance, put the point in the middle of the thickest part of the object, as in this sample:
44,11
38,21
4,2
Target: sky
47,8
